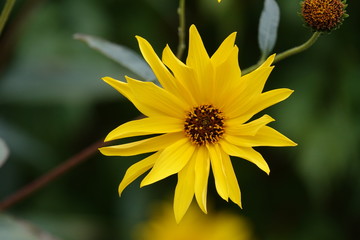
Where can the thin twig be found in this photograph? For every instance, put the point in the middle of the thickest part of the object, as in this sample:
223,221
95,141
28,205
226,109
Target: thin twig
50,176
5,13
10,37
287,53
181,29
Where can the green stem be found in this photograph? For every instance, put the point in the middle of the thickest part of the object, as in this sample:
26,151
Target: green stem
298,49
5,13
181,29
287,53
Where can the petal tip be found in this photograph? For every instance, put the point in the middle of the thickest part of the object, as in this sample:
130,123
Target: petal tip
109,137
120,190
108,79
103,151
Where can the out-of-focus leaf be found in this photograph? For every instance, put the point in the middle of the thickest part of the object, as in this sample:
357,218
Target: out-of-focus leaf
4,152
13,229
58,80
268,25
121,54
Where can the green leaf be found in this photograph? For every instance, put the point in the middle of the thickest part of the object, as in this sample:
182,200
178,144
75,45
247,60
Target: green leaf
4,152
268,25
121,54
14,229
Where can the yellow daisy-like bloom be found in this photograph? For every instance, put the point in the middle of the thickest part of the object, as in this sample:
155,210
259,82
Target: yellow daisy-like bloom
195,226
201,117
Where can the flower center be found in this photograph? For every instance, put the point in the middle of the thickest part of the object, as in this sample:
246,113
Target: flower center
323,15
204,124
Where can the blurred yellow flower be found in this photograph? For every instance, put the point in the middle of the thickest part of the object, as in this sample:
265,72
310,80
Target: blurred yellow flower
194,226
201,116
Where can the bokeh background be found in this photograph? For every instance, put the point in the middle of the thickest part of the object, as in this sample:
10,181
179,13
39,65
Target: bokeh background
53,104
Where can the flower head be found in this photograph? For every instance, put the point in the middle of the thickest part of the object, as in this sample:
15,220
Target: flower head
201,117
195,226
323,15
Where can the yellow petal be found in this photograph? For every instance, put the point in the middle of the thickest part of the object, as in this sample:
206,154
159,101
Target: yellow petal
202,169
227,76
161,72
236,127
268,61
255,81
266,136
223,52
150,99
120,86
137,169
146,126
171,161
218,170
143,146
251,86
270,98
233,185
184,191
197,55
246,153
199,61
147,93
184,76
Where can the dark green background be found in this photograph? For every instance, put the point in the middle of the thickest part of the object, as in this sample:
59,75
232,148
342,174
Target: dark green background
53,104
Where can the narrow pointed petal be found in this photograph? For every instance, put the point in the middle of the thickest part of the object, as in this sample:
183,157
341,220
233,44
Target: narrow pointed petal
255,81
218,171
197,55
266,136
147,93
137,169
233,185
146,126
227,76
161,72
202,169
236,127
270,98
184,191
268,61
199,61
184,75
143,146
251,86
246,153
150,99
223,52
171,161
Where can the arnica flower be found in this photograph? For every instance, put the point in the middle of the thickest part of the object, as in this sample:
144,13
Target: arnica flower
195,226
200,117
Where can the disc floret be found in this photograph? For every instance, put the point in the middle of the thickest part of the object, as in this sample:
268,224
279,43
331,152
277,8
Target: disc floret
323,15
204,124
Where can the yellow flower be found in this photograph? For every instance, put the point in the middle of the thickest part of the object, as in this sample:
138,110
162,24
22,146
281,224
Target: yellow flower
194,226
201,116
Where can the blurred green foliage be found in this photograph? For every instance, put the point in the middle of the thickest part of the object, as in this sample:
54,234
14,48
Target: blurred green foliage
53,104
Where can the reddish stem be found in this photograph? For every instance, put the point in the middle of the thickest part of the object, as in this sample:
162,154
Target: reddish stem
48,177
